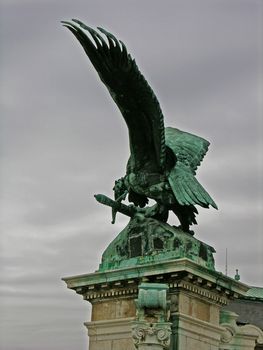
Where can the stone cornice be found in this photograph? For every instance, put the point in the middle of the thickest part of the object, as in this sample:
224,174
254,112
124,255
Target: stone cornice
98,294
114,325
204,293
182,274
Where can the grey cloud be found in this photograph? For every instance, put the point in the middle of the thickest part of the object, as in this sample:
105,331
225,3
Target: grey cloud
64,140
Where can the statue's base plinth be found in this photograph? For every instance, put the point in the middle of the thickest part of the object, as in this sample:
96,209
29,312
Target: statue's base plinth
147,241
195,296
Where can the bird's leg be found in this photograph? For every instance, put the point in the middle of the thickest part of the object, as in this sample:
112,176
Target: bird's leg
150,211
162,212
157,211
186,216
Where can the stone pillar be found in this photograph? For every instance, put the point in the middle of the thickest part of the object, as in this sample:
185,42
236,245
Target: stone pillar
236,337
195,307
196,295
151,329
111,318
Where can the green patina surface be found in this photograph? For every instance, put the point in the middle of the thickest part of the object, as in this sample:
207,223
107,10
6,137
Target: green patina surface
163,160
255,293
162,165
152,296
146,241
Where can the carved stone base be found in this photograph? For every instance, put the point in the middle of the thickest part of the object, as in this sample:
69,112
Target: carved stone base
154,336
195,294
147,241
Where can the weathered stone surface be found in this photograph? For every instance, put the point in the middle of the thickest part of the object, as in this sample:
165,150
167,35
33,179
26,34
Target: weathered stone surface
194,307
193,333
151,335
101,345
113,309
122,344
106,333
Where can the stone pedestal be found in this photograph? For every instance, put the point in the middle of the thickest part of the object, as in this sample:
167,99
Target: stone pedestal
151,329
195,293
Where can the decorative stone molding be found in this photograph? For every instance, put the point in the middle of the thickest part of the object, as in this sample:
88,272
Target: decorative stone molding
109,329
237,336
182,273
228,322
254,331
152,296
146,334
202,292
249,330
112,291
150,329
106,294
196,327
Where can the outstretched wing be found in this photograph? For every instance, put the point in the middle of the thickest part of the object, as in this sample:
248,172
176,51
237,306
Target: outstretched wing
131,92
189,150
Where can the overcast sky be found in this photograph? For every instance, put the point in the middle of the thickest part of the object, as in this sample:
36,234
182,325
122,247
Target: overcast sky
63,140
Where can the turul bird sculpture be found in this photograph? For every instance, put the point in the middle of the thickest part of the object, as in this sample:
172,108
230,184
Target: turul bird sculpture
163,161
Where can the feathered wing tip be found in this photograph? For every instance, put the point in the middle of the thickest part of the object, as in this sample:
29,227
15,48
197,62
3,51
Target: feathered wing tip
189,150
129,89
187,147
186,188
97,48
186,215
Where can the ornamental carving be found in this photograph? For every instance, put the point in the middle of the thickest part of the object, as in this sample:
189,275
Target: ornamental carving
151,334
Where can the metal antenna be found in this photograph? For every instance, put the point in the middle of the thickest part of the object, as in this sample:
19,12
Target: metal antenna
226,263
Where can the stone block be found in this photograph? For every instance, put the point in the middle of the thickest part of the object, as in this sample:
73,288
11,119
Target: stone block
113,309
196,334
108,331
214,314
122,344
194,307
101,345
195,344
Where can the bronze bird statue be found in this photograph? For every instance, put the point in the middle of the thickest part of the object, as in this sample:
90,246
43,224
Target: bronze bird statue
163,161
